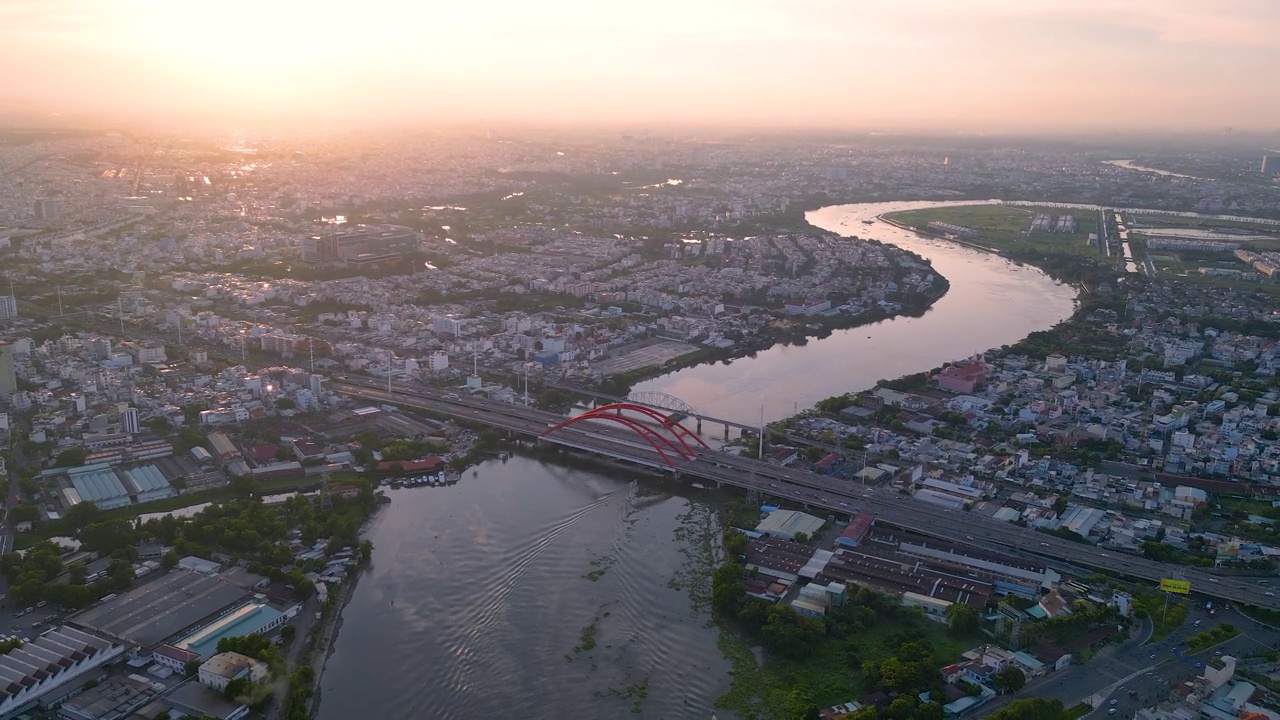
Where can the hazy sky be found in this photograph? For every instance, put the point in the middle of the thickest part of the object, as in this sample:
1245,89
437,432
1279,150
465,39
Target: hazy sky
985,65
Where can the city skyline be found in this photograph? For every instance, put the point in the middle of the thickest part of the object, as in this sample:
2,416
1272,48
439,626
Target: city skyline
984,66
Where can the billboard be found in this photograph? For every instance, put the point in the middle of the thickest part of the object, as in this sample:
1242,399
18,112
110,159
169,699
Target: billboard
1182,587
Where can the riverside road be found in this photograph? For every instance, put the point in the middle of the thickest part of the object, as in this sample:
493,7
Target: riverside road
808,489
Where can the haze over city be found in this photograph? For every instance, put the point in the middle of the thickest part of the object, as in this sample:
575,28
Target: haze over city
742,359
934,65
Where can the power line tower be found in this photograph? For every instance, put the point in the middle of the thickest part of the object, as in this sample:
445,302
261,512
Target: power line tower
326,497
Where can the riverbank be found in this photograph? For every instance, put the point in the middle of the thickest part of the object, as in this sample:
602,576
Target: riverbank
802,334
304,694
990,301
799,332
938,236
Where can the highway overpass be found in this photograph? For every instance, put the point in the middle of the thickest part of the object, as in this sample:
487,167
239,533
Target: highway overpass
811,490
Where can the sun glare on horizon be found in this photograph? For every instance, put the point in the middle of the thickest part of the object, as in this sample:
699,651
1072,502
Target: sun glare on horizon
984,64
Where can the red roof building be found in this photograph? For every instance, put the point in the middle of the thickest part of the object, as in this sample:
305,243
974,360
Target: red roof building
431,462
261,454
963,377
856,530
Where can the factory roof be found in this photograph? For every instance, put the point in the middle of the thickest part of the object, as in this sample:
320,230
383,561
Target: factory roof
96,483
244,620
146,478
150,613
789,523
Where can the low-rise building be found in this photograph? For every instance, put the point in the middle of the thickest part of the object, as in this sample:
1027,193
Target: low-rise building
221,669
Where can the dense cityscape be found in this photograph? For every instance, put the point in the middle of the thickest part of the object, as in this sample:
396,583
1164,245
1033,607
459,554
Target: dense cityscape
745,361
220,358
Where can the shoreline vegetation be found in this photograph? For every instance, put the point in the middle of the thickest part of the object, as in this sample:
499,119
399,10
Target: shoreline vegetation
770,677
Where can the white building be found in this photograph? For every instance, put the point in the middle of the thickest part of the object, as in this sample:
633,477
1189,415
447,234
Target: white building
438,361
62,657
8,307
129,420
151,353
221,669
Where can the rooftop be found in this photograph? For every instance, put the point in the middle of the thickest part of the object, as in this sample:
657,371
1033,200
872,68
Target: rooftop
150,613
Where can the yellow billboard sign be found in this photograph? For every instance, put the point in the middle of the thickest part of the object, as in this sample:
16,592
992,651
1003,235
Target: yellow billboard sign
1182,587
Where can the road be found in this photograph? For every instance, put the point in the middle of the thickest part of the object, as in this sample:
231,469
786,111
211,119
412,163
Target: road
810,490
1143,676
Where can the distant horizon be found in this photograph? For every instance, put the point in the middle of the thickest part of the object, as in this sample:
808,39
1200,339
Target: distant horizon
931,66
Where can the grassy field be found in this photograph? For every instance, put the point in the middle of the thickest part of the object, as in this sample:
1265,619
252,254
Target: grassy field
1164,622
828,675
1007,226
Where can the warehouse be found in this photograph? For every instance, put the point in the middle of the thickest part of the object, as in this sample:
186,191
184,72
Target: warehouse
251,618
147,483
53,661
787,524
149,614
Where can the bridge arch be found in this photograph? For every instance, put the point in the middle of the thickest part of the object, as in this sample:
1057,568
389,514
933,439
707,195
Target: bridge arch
662,401
668,433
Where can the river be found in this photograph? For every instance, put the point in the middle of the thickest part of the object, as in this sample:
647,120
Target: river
479,595
1129,165
992,302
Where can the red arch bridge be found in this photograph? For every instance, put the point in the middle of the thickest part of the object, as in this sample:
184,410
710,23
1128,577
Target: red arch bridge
663,432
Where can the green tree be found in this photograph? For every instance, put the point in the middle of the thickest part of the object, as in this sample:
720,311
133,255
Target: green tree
71,457
24,512
81,514
169,560
77,572
929,711
288,631
1011,679
236,688
961,619
121,573
901,708
1031,709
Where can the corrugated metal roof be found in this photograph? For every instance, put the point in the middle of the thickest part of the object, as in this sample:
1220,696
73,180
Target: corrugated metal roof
146,478
97,482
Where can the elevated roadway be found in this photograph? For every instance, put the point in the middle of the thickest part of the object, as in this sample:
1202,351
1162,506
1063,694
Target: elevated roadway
811,490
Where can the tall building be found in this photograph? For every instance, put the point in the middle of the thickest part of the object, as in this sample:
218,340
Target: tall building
1271,164
364,245
8,307
129,420
8,373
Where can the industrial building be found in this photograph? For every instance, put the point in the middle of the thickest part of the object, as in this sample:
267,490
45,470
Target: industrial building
250,618
109,487
856,530
117,697
50,667
150,614
365,245
218,671
787,524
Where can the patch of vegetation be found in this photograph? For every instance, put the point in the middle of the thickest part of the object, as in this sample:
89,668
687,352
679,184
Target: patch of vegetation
587,640
870,643
601,565
1148,602
1211,637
